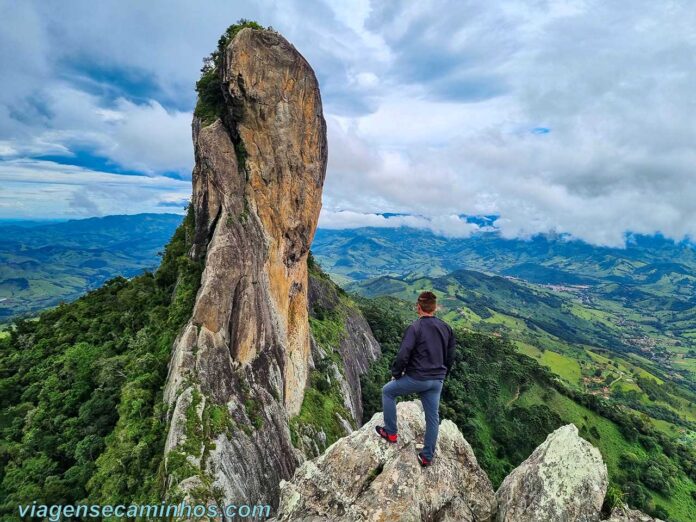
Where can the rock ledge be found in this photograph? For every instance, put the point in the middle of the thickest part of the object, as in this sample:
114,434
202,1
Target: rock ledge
362,478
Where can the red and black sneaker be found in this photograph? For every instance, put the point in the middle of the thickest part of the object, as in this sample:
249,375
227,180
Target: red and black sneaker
386,436
423,461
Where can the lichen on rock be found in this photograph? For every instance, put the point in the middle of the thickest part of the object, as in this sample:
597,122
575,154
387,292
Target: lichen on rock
563,480
361,477
625,514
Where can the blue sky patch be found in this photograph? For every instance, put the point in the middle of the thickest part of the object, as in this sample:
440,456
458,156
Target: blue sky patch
87,160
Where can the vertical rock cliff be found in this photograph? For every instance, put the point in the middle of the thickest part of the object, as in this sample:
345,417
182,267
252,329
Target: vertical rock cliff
240,366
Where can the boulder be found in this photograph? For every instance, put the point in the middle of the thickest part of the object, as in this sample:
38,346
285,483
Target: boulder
363,478
624,514
563,480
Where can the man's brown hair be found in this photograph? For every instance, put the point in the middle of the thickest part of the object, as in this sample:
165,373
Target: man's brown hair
427,302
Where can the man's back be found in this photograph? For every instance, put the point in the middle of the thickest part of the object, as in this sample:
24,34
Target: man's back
424,360
427,350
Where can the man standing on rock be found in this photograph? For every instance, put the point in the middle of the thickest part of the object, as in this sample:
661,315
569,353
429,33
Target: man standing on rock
424,360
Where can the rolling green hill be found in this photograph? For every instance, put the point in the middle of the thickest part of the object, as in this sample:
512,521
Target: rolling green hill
637,302
42,264
615,326
651,262
593,350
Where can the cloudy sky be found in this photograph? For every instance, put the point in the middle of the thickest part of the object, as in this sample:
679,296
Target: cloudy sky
574,117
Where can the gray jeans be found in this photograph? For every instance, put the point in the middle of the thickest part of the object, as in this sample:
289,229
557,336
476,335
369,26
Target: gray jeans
429,392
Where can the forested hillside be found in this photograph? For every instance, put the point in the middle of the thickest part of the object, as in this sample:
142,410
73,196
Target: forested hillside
593,350
82,413
81,409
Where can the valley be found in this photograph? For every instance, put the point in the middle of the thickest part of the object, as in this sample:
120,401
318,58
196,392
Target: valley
619,324
42,264
237,354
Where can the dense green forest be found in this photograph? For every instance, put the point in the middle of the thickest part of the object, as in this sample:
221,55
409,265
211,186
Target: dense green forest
81,410
211,102
505,403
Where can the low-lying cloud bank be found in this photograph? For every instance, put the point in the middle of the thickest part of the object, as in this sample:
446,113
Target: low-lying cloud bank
454,226
448,226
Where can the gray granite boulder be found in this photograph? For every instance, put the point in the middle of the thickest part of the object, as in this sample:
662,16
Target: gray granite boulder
363,478
563,480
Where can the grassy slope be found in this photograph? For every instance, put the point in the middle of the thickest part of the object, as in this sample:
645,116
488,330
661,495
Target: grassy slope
612,444
561,333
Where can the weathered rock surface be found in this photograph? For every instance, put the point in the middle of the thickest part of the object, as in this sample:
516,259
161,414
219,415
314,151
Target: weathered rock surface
563,480
357,347
240,366
624,514
361,478
339,359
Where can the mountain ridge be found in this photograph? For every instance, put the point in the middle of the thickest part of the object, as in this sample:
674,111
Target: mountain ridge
61,261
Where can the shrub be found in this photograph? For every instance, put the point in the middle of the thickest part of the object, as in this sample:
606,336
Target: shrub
211,100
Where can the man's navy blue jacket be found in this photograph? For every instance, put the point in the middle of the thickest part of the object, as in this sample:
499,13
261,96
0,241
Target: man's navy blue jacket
427,350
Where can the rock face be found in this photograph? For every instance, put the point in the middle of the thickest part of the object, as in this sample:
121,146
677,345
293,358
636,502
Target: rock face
563,480
239,367
361,477
357,348
624,514
342,349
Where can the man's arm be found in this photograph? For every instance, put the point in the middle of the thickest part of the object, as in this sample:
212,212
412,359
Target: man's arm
407,345
451,347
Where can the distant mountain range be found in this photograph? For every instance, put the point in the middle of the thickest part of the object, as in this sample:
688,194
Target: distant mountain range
647,288
355,254
612,324
42,264
653,276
